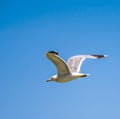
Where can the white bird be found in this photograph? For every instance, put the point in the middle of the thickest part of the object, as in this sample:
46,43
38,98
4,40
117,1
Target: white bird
69,71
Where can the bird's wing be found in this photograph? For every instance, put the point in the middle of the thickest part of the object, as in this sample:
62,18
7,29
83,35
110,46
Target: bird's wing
60,64
75,62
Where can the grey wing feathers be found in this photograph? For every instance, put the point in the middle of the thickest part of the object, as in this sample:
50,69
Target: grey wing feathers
75,62
60,64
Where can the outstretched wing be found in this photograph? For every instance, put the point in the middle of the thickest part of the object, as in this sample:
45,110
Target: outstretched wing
60,64
75,62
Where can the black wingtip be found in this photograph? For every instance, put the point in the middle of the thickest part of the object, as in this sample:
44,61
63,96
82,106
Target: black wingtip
53,52
100,56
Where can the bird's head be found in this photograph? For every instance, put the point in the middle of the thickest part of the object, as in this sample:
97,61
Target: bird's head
53,78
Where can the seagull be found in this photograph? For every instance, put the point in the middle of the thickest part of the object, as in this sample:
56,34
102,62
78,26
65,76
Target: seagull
67,71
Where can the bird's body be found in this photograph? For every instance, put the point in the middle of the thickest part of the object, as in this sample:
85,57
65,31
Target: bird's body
67,77
69,71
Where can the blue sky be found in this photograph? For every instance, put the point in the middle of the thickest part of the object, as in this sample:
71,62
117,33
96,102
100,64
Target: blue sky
28,29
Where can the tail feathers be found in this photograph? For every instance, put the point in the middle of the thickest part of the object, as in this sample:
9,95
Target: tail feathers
84,75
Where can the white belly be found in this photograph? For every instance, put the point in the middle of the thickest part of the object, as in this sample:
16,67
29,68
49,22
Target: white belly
68,77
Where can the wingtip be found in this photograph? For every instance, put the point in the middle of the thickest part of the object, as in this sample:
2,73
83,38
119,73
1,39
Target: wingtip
100,56
54,52
105,56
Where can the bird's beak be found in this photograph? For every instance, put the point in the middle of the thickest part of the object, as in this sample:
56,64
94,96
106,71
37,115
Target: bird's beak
48,80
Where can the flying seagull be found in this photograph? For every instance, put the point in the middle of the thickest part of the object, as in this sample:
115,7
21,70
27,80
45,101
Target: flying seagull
69,71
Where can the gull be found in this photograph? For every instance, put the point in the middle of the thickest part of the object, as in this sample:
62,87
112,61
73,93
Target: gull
67,71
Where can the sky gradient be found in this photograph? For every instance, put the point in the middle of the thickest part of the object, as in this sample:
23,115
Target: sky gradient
28,29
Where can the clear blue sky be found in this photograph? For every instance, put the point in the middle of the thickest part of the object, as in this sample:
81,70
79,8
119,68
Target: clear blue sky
28,29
